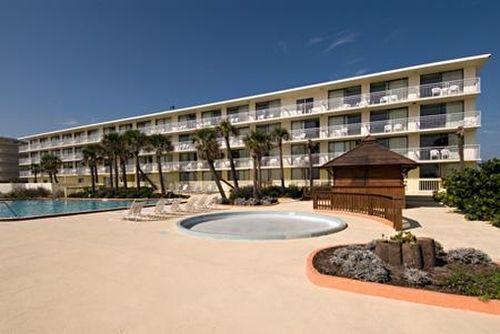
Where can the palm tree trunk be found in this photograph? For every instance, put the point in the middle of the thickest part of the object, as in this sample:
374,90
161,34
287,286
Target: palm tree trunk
217,181
460,140
55,177
137,167
259,174
160,174
110,174
309,154
36,177
123,164
115,161
51,178
96,175
231,162
92,177
255,178
282,170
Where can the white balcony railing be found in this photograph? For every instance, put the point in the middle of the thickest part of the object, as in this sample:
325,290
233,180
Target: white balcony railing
387,97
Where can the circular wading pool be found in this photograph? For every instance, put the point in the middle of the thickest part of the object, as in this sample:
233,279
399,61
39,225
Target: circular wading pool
253,225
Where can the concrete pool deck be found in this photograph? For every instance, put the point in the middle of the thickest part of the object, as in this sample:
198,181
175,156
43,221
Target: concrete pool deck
95,273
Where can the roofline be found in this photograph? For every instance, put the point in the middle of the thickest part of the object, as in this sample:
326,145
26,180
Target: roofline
484,56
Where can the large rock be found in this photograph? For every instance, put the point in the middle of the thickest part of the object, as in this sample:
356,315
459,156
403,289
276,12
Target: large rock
428,251
412,256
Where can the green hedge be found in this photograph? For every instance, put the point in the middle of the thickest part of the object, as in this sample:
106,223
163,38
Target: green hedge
144,192
475,192
272,191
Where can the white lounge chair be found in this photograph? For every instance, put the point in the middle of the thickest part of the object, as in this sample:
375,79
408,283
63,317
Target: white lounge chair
134,213
159,209
434,154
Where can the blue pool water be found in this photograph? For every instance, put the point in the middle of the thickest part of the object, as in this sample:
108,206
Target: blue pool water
34,208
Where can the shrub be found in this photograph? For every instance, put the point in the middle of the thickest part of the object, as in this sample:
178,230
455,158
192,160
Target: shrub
475,192
416,277
468,256
25,193
404,237
143,192
359,263
272,191
468,281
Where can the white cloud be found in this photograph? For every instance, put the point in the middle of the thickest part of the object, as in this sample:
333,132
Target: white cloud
361,71
317,40
343,38
70,122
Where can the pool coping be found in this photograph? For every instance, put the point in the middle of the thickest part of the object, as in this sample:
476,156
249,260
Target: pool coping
64,214
286,236
413,295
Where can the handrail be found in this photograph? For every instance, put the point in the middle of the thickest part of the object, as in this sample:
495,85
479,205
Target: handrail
9,208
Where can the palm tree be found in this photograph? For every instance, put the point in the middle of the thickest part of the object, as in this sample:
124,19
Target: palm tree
50,164
123,154
91,157
279,135
259,144
310,148
35,169
225,130
112,145
136,141
161,145
208,149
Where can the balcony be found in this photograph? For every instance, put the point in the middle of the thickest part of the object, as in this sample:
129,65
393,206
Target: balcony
306,133
25,173
184,146
25,161
441,153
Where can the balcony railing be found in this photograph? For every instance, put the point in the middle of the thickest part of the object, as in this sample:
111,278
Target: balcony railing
410,93
441,153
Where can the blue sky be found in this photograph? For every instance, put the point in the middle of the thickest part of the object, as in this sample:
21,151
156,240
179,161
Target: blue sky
66,63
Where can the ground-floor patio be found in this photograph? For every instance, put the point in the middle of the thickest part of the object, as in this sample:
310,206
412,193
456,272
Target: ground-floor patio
95,273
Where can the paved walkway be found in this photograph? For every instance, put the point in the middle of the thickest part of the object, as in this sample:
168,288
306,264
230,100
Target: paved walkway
97,274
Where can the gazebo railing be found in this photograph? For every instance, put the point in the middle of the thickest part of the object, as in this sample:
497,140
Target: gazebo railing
383,206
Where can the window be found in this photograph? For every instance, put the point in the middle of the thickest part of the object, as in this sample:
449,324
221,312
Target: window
270,174
429,171
268,109
436,84
298,149
244,131
304,106
388,120
388,91
143,125
186,138
339,147
238,113
187,121
438,115
208,176
188,176
344,125
398,144
303,173
267,128
241,153
238,109
80,180
438,140
344,98
164,123
241,174
67,151
109,129
188,156
188,117
125,127
305,129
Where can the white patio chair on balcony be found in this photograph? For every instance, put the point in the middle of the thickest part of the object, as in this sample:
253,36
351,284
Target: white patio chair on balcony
346,105
393,98
318,109
436,91
454,89
388,128
445,154
385,99
273,162
398,127
434,154
344,131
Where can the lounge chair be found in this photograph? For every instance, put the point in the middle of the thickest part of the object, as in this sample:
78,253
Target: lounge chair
159,209
134,213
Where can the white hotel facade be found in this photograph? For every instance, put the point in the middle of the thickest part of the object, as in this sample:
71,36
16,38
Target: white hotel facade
414,111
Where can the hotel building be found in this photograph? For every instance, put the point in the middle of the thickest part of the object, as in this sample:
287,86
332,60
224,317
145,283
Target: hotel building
415,111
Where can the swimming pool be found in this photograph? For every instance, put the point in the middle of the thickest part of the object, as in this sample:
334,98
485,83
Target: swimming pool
26,209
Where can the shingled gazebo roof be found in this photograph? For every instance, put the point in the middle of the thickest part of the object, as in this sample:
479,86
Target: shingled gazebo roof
370,153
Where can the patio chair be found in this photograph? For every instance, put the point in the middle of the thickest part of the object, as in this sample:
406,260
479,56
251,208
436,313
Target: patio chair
445,154
434,154
436,91
159,209
134,213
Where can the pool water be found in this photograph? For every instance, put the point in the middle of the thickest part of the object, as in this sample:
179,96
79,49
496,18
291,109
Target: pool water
37,208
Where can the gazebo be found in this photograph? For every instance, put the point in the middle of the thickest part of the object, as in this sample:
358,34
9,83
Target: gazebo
368,179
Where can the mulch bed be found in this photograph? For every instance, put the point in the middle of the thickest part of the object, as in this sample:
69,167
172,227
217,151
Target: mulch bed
438,274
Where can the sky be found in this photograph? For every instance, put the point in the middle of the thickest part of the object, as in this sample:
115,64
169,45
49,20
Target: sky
67,63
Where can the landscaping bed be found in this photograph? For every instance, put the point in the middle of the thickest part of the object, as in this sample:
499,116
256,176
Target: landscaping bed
421,263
